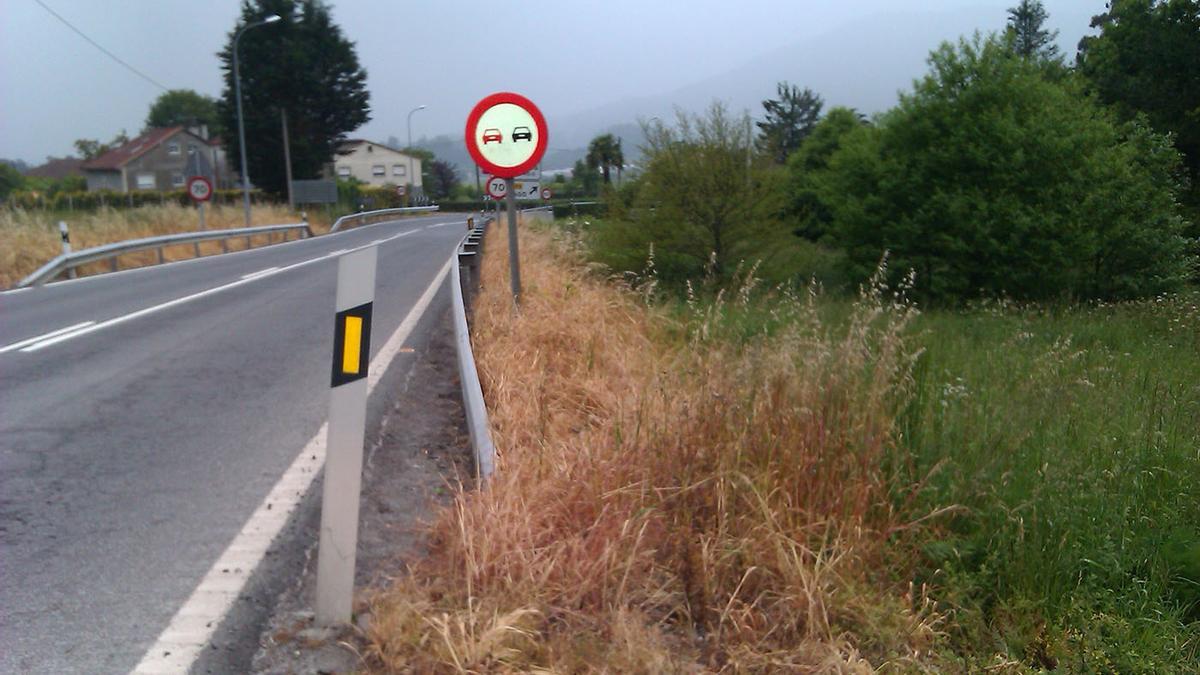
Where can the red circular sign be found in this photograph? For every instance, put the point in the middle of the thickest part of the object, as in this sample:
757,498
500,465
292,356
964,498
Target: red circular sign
497,187
547,193
506,134
199,189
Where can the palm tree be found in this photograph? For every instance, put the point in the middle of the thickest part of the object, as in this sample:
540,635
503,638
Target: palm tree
605,152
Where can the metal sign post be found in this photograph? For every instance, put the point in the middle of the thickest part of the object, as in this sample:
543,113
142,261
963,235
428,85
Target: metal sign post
344,440
514,258
506,135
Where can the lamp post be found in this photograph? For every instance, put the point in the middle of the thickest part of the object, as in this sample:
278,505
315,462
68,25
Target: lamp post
410,161
237,94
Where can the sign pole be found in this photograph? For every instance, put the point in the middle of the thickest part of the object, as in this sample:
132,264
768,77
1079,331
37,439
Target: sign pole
202,225
514,261
344,447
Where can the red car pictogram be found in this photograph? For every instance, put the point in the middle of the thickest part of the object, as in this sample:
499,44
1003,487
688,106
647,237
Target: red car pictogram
490,135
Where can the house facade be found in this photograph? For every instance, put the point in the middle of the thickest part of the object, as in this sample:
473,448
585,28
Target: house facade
160,159
376,164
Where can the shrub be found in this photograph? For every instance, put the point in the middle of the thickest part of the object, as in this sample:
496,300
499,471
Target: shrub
990,179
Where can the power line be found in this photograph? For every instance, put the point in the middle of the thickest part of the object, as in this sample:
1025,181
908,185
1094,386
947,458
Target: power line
95,44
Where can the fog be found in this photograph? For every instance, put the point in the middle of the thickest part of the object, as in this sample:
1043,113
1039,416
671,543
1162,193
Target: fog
590,66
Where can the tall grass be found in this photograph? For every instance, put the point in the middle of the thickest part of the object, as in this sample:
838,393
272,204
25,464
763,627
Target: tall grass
669,500
31,238
1072,439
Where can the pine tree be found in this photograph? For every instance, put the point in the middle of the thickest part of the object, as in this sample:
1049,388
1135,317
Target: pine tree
789,120
304,65
1027,37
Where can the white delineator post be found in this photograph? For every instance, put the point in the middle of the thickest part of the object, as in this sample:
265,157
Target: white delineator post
347,422
65,234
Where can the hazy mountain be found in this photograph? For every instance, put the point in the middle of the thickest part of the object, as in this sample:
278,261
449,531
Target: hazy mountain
863,64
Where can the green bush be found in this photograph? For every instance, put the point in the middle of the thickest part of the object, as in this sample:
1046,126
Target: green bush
991,180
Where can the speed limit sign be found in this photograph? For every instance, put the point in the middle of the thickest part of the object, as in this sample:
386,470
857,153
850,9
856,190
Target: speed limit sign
199,189
497,187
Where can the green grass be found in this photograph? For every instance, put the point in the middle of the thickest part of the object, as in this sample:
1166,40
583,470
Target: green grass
1072,440
1067,439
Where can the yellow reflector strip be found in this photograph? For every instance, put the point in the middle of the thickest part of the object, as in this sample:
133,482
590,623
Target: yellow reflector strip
351,355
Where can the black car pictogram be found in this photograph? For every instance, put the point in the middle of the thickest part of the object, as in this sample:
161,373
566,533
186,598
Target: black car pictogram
522,134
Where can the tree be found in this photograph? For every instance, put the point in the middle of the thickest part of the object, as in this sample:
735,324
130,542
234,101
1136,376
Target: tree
789,120
701,206
442,179
1145,60
585,179
604,152
1026,36
184,107
304,65
806,166
91,149
991,179
10,179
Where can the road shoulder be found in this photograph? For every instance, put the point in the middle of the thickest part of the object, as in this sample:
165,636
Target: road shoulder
407,473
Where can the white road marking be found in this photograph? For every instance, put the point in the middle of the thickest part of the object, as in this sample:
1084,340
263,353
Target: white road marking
13,291
47,342
334,254
193,626
259,273
53,333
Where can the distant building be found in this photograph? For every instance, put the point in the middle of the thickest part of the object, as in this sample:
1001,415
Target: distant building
376,164
160,159
57,168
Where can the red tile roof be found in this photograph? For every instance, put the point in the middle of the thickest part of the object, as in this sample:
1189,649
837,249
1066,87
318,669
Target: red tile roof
56,168
120,156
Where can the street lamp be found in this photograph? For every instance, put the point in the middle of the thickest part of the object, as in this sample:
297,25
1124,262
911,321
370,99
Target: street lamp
237,93
410,159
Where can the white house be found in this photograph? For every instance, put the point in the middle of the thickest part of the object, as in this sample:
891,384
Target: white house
376,164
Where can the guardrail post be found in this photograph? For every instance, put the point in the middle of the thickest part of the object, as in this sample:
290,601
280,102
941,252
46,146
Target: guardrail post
161,259
196,248
344,447
113,263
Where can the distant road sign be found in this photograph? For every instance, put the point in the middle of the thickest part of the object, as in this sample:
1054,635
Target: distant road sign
497,187
399,190
526,189
199,189
547,193
506,134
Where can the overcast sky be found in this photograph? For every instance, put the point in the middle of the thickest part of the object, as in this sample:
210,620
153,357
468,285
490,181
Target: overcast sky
568,56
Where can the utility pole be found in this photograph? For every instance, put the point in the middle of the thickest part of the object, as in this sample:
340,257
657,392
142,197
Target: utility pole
287,157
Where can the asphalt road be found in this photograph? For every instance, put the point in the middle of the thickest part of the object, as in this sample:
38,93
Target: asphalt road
133,450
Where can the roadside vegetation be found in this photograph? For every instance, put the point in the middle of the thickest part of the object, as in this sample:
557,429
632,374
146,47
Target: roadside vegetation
910,393
32,237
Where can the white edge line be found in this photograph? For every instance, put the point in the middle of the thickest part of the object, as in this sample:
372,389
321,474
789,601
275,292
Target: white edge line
192,627
42,344
39,338
259,273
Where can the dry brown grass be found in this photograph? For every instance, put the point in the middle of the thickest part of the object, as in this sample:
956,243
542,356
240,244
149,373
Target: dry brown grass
31,237
666,500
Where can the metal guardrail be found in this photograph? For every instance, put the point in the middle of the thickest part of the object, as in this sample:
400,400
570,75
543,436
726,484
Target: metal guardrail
69,261
472,391
364,215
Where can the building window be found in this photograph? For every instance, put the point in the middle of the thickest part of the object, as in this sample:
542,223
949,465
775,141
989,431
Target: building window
344,171
378,170
145,181
172,148
191,148
399,170
177,180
